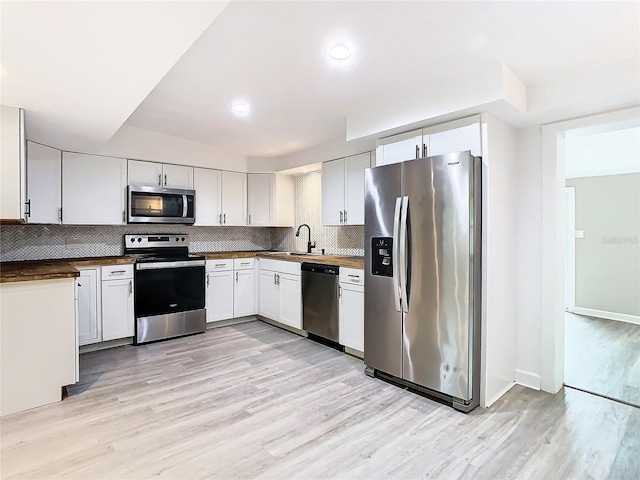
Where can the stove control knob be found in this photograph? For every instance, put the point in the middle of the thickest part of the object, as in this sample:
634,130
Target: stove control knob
139,239
183,239
133,240
177,239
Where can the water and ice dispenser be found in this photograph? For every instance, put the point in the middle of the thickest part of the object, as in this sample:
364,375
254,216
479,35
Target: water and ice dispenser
381,259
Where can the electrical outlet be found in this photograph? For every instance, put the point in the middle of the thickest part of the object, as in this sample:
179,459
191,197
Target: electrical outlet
73,242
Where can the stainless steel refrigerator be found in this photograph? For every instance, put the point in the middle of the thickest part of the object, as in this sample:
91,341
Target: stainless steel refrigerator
423,268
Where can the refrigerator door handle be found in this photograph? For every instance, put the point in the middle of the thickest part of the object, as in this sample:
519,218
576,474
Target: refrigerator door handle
403,254
394,253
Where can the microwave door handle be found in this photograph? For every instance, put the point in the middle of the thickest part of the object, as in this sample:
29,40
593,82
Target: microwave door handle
394,253
184,206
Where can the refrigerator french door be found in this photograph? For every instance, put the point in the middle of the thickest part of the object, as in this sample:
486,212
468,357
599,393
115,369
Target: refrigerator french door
423,268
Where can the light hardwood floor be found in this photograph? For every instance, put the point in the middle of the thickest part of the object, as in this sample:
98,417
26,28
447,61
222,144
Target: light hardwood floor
254,401
603,356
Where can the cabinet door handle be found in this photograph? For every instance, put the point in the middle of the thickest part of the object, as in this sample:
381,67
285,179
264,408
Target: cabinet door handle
278,279
249,219
60,214
341,217
224,217
160,180
220,219
207,279
424,150
165,179
345,217
339,291
27,209
417,151
274,279
236,277
130,287
124,217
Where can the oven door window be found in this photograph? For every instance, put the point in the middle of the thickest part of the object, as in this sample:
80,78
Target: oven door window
155,205
169,290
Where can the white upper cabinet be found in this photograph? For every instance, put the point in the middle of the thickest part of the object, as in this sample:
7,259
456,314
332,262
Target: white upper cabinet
450,137
260,193
234,199
160,175
44,184
13,178
93,189
144,173
354,168
343,190
401,147
456,136
177,176
206,183
270,200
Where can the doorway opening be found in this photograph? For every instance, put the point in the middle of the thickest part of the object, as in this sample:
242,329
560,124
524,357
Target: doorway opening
602,260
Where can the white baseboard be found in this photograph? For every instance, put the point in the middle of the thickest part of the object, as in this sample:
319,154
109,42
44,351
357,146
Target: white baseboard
498,395
621,317
528,379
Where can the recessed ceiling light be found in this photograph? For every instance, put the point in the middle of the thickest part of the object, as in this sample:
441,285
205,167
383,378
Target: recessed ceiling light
241,108
339,52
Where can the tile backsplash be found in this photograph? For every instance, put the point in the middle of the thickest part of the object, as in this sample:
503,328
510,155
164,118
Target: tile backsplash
348,240
37,242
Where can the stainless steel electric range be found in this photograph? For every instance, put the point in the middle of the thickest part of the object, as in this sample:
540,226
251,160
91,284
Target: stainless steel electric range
169,287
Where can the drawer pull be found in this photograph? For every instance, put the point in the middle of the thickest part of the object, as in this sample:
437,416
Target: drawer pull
118,272
220,264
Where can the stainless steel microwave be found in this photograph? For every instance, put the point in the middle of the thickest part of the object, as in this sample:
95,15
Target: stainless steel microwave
161,205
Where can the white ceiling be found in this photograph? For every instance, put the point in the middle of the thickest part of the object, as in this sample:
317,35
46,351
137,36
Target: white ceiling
273,55
79,69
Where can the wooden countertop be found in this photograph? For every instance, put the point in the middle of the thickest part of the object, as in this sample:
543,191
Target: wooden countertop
99,261
66,268
36,270
338,260
53,269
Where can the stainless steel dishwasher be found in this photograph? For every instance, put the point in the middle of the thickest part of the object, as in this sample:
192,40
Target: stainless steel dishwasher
320,300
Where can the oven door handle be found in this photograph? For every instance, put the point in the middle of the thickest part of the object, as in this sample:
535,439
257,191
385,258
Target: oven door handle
159,265
184,206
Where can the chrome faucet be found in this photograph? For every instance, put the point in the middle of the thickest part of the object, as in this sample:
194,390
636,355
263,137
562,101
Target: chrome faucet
309,244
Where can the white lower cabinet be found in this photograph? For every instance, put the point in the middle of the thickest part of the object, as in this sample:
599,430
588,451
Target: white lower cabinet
280,287
244,293
351,308
89,319
244,288
230,289
269,301
219,295
117,303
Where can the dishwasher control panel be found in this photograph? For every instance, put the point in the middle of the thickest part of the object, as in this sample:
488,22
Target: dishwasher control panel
381,259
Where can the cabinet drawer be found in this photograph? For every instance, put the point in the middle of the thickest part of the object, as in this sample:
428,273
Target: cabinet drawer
113,272
243,263
352,275
219,265
281,266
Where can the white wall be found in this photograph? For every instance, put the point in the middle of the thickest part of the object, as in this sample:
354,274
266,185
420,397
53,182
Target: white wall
140,144
606,153
499,260
529,256
318,154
